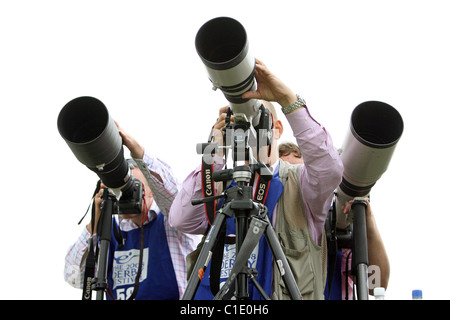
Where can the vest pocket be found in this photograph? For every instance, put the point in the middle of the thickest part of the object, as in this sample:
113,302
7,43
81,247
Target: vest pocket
192,257
296,249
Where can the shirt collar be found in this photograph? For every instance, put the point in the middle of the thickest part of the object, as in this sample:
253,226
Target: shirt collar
153,212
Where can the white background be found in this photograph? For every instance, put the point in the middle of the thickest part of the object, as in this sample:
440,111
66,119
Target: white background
139,58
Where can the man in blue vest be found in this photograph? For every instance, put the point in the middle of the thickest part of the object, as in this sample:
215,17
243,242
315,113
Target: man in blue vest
164,249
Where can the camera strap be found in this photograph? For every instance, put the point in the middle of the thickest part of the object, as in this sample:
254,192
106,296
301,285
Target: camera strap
208,185
138,275
89,271
118,235
208,189
262,188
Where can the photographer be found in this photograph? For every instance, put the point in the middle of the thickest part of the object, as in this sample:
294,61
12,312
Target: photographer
342,281
298,198
290,152
163,273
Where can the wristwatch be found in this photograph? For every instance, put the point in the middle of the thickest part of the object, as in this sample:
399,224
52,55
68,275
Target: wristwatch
297,104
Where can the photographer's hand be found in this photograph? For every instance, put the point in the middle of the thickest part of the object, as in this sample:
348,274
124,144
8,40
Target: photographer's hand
218,126
136,150
269,87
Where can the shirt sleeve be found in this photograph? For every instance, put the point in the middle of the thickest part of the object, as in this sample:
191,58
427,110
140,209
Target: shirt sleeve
322,170
164,191
180,245
75,263
183,215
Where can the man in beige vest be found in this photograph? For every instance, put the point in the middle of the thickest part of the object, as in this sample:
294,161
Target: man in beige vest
378,258
302,204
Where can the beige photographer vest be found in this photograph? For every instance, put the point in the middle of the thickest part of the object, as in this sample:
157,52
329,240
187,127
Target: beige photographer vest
307,260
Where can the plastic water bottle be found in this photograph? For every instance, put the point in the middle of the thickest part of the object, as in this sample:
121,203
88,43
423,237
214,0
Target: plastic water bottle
417,294
379,293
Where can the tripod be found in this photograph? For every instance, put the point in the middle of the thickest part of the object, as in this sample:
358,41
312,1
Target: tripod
247,237
252,222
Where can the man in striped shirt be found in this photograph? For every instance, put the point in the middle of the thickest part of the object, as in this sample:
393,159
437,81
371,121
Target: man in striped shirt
163,274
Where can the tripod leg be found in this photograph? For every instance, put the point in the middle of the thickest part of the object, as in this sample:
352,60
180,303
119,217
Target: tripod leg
360,254
258,286
204,257
104,234
282,264
241,234
255,232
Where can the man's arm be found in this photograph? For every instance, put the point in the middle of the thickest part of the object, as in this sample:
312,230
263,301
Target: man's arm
183,215
375,249
322,170
160,179
158,174
75,261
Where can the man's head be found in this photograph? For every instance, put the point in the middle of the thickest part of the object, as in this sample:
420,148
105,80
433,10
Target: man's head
265,154
148,195
290,152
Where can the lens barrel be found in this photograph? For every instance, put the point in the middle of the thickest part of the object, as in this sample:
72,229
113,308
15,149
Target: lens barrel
375,129
91,134
223,47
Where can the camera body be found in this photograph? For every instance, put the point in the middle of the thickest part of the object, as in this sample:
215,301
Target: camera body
131,203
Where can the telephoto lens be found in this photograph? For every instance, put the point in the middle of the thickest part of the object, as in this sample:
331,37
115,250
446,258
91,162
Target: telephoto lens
223,47
375,129
91,134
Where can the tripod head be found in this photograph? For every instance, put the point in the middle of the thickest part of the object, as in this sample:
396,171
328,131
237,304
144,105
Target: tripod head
242,175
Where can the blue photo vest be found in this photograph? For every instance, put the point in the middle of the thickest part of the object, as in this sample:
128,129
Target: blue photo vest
158,281
261,258
336,284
